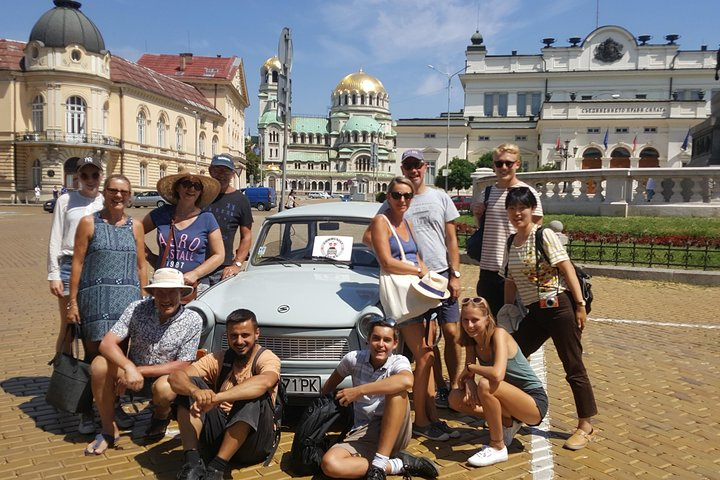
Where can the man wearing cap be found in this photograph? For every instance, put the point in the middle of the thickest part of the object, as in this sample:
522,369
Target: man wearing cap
232,212
164,337
491,285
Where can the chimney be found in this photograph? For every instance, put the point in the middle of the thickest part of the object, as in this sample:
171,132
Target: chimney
185,60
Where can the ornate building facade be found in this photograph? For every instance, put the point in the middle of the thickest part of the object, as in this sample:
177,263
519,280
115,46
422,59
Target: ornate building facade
608,100
332,152
67,97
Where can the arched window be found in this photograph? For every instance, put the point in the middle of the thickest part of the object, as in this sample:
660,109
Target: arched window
649,158
161,127
201,144
75,118
141,127
38,107
179,136
143,174
620,158
215,145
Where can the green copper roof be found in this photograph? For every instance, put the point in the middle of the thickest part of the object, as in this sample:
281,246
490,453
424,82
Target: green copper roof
295,156
361,124
309,125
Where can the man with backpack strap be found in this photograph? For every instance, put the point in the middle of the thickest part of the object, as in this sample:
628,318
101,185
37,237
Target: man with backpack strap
381,381
225,402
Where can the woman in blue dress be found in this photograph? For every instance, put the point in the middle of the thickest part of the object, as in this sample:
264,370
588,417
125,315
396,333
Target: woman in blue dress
107,272
196,247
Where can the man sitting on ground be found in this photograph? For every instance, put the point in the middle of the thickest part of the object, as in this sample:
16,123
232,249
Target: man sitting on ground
222,402
164,336
381,381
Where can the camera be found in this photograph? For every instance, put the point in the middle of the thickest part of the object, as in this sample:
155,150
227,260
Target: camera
550,302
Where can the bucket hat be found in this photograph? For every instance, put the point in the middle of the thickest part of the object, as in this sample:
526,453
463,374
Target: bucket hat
169,278
433,285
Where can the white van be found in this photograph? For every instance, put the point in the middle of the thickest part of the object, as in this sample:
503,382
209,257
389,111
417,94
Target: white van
318,195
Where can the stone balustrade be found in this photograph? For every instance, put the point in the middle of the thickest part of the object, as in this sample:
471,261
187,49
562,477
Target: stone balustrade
621,191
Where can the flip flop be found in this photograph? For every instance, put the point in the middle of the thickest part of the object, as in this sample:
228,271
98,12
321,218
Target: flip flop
94,447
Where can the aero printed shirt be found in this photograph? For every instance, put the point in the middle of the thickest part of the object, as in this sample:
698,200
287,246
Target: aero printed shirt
498,227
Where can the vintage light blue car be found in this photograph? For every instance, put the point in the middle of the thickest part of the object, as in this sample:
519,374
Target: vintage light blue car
313,286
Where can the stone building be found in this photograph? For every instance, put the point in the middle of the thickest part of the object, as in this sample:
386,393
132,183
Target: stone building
332,152
67,97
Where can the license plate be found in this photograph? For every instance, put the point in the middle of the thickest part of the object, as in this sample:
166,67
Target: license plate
301,384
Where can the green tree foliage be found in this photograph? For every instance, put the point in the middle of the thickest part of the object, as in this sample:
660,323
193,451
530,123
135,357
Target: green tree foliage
485,160
252,160
460,178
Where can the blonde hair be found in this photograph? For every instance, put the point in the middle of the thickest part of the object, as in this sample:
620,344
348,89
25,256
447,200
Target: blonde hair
402,180
465,339
506,148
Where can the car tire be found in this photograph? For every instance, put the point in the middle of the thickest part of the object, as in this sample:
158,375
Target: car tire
160,203
261,207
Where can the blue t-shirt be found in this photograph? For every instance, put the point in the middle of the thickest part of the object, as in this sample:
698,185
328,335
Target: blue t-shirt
189,247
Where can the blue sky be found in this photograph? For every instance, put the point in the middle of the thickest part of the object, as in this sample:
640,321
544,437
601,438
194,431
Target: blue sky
394,40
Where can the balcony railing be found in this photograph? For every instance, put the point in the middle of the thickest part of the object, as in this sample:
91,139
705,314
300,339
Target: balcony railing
78,138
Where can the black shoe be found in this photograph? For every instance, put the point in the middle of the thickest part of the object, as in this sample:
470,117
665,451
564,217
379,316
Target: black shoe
212,474
375,473
156,429
417,466
192,471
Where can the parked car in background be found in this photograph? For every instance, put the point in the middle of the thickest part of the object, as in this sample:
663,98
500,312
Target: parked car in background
318,195
313,285
463,203
262,198
49,205
147,199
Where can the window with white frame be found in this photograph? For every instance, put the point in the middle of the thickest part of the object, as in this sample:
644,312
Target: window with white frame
214,145
429,135
496,104
621,130
163,171
179,136
593,130
75,117
650,130
106,119
201,144
161,127
143,174
483,138
141,127
38,107
525,99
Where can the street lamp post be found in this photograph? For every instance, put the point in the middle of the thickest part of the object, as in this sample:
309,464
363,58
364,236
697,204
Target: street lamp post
565,152
449,77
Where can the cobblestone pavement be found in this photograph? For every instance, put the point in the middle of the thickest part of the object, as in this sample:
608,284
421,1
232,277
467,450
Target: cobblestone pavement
651,350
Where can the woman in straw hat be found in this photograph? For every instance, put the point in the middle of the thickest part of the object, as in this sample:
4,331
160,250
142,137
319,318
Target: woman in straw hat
196,247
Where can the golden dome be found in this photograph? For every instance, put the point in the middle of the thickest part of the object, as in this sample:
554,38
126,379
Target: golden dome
360,82
272,63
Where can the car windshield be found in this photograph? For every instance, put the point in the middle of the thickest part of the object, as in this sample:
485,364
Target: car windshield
303,241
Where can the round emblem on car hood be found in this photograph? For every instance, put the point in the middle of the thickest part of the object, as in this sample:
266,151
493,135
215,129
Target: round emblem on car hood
283,309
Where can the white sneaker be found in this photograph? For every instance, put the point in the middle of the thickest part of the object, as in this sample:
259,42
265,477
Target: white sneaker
87,424
488,456
509,432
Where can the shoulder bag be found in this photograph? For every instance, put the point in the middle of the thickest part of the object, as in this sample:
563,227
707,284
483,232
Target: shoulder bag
473,245
171,238
70,388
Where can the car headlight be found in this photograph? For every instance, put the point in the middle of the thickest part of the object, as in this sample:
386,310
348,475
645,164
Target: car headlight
363,325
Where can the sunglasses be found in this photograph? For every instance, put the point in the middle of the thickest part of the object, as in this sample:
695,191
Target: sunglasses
94,176
386,322
399,195
473,300
503,163
190,184
412,165
115,191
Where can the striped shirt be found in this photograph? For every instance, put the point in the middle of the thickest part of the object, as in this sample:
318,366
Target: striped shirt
498,228
544,280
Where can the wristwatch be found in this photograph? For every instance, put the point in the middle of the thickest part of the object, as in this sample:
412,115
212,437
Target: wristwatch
455,273
237,264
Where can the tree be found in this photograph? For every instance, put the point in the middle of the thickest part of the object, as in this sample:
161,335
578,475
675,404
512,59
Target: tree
252,160
460,178
485,160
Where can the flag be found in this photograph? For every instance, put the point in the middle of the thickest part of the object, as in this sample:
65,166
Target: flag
634,144
605,140
684,145
557,144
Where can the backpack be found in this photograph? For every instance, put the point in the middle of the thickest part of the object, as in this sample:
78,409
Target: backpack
311,440
582,276
473,245
278,408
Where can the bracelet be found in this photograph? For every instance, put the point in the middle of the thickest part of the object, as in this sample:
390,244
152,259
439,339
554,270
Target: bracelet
71,305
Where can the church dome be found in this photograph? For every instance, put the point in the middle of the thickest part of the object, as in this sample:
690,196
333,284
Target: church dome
65,25
360,82
272,63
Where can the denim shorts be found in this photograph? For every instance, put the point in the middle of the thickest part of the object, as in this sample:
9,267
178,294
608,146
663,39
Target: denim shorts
65,269
541,400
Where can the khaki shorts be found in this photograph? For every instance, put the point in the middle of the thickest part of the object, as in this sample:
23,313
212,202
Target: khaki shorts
363,441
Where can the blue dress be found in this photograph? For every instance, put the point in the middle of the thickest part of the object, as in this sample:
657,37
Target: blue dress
109,279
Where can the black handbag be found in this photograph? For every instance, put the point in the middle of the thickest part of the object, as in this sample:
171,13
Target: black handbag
473,245
70,388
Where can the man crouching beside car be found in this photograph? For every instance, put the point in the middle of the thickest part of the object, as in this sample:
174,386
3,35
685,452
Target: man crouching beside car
222,402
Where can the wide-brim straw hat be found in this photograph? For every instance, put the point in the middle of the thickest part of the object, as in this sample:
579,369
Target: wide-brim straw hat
169,278
433,285
211,188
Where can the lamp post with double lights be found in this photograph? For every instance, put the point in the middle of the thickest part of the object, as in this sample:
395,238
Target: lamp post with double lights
565,152
449,77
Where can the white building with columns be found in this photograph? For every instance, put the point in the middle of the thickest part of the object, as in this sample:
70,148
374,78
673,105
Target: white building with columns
609,100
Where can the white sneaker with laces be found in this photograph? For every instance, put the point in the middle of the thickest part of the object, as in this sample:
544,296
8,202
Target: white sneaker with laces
488,456
509,432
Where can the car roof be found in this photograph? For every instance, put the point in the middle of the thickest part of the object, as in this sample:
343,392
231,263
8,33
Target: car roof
361,210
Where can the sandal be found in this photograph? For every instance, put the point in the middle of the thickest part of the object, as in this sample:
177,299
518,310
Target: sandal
94,448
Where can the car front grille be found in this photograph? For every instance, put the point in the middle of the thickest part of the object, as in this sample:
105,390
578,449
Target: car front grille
304,348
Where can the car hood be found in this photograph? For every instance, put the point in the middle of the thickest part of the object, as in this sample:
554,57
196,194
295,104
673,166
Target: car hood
326,296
